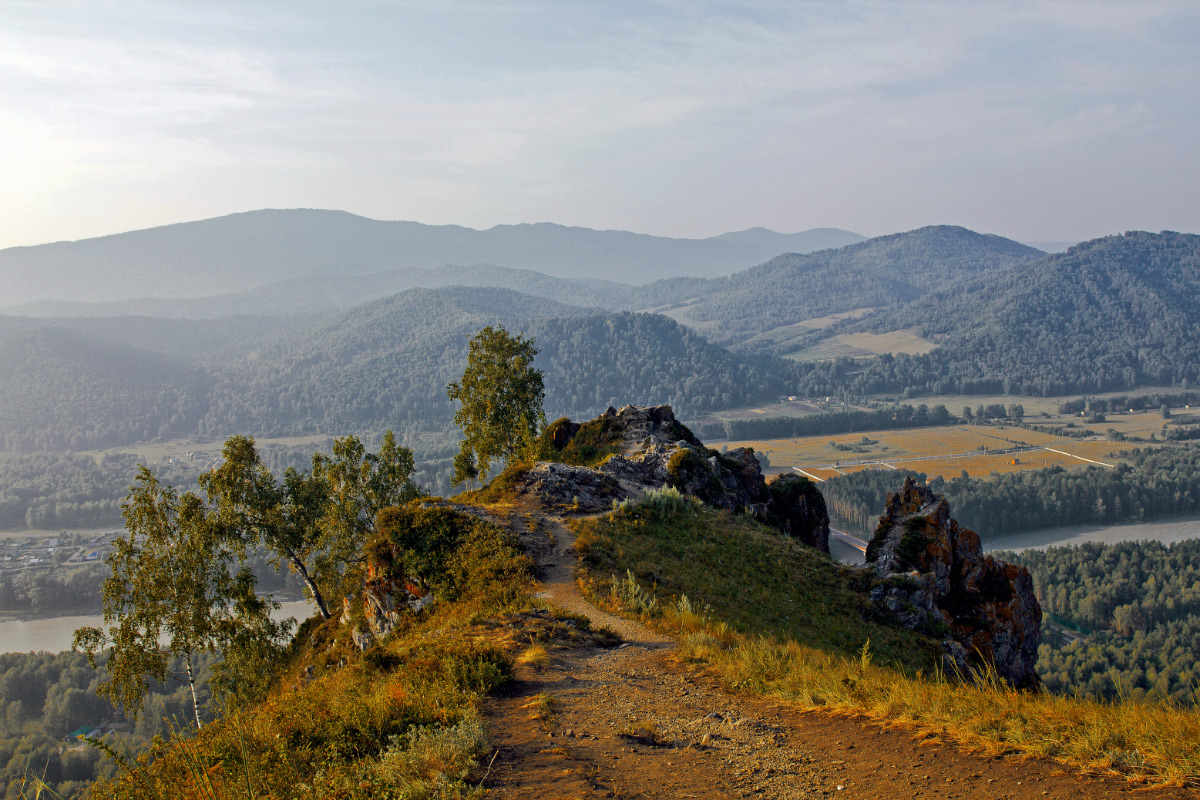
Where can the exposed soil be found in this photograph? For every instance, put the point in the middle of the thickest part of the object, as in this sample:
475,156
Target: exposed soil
631,722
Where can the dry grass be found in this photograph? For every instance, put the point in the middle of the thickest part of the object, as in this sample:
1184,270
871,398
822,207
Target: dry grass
536,657
856,345
1154,742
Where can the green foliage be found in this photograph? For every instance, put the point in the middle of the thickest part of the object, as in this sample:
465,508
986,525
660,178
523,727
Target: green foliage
173,593
792,288
591,444
317,521
500,399
1107,315
886,418
795,506
382,365
1153,484
399,721
454,553
45,696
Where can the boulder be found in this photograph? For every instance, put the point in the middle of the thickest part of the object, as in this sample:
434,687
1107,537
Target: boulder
935,578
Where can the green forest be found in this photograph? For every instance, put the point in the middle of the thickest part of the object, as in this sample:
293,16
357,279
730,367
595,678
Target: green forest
382,365
1108,315
791,288
1136,608
46,696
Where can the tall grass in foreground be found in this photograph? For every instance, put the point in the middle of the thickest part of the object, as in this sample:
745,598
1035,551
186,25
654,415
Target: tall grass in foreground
770,619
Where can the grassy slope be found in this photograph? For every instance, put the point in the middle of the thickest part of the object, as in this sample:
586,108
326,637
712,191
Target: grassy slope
745,574
799,653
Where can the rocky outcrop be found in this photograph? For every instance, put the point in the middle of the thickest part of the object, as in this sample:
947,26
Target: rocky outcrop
797,508
936,579
648,448
384,600
575,488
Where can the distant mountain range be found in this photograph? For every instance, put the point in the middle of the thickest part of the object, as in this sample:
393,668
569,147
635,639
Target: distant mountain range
80,384
1108,314
242,252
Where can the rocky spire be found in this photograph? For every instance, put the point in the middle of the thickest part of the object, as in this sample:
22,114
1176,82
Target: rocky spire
937,579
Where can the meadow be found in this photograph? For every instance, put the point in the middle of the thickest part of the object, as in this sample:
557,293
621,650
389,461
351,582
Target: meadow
949,451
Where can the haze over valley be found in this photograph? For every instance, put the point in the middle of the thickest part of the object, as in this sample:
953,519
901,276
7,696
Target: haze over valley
660,400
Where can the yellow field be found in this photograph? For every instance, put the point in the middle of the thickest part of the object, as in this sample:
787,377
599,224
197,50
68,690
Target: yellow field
946,451
784,334
856,345
1100,451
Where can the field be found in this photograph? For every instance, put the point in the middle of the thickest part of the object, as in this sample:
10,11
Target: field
786,334
949,451
157,451
856,345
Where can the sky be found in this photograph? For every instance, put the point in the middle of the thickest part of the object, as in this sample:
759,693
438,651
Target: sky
1041,121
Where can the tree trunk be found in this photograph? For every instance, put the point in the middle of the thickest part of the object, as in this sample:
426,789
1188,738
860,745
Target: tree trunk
187,659
317,597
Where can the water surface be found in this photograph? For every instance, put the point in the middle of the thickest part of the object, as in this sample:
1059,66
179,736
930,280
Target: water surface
56,633
1168,531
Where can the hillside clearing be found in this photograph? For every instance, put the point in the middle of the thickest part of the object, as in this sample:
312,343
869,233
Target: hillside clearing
859,345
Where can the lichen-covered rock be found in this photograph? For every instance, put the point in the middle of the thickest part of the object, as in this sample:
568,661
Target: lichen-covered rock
936,579
629,452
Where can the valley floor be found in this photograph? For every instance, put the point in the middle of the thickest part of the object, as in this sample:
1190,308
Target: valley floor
635,722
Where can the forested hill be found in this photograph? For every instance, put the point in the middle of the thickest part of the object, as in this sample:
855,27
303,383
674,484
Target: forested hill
1108,314
388,363
61,389
792,288
240,251
384,364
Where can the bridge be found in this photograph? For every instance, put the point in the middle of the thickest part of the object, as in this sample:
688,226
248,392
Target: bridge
848,538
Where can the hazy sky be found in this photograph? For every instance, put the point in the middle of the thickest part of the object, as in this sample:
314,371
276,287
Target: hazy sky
1035,120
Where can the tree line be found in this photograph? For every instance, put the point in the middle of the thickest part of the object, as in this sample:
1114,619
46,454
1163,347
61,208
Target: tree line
1149,484
830,422
52,491
46,696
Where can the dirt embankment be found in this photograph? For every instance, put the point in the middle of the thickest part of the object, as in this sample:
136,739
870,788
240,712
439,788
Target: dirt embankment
631,722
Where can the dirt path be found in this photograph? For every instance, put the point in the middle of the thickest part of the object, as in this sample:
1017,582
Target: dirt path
629,722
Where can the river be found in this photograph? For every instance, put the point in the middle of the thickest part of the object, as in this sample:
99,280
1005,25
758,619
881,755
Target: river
1166,531
56,633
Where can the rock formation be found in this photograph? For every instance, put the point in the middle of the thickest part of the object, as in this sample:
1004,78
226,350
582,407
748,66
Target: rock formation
384,599
650,449
936,579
